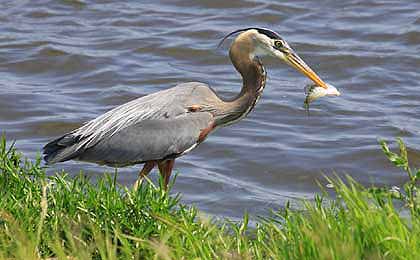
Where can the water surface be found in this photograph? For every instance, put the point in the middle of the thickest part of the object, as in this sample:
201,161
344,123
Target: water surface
65,62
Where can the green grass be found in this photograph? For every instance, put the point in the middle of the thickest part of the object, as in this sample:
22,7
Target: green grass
73,218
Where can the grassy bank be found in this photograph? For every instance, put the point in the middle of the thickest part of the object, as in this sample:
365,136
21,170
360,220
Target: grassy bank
72,218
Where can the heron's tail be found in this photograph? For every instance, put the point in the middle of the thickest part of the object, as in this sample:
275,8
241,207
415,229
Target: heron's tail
61,149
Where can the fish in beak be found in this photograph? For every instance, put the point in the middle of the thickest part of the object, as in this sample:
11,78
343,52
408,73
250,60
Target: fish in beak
313,91
295,61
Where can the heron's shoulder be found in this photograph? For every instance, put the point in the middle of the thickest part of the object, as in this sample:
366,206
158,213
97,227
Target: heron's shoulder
180,90
195,89
192,84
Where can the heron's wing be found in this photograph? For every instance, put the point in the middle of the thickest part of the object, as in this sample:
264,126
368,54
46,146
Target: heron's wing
163,105
160,105
151,139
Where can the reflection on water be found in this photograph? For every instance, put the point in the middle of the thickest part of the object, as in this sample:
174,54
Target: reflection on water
65,62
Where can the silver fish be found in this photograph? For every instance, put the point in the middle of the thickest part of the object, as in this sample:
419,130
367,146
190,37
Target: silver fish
314,92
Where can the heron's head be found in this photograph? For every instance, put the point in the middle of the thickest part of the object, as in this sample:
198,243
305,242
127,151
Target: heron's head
264,42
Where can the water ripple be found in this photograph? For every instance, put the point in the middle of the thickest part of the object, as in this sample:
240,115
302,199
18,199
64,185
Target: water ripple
65,62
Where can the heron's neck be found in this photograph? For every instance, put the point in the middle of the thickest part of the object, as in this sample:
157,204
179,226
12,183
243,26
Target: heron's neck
254,78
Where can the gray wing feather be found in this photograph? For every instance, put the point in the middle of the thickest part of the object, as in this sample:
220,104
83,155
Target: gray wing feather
162,104
149,140
145,111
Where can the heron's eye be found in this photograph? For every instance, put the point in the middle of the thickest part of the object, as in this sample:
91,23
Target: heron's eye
279,44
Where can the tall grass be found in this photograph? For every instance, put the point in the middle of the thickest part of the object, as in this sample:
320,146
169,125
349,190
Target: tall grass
73,218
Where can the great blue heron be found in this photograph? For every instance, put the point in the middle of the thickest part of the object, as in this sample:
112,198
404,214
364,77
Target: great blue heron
156,129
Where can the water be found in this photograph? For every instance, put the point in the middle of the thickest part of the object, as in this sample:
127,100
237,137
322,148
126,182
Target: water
66,62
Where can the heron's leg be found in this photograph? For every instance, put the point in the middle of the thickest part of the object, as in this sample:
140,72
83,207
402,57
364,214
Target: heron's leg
148,166
165,168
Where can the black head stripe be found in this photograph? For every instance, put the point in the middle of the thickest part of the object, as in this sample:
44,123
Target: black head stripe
267,32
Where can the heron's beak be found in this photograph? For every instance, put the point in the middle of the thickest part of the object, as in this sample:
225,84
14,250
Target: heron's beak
293,59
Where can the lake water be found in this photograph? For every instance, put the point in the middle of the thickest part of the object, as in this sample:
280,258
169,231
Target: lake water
65,62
